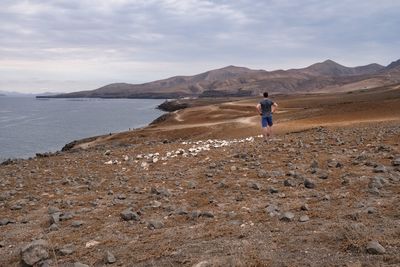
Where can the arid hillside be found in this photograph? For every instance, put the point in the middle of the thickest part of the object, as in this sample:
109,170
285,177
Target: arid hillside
200,188
239,81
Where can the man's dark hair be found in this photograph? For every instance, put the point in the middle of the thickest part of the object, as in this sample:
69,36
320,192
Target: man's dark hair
265,94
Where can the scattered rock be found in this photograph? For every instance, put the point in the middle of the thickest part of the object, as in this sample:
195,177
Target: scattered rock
273,190
155,224
309,183
6,221
396,162
195,214
34,252
272,210
314,164
304,218
326,198
110,258
161,191
323,175
287,216
289,182
380,169
67,250
254,185
262,174
373,247
54,227
55,217
91,243
192,185
207,214
66,216
305,207
77,224
203,264
107,153
129,215
370,210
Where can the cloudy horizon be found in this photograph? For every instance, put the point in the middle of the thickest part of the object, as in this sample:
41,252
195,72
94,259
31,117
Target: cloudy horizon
65,46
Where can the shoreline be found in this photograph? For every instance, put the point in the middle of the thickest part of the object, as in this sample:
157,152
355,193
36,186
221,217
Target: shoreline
57,148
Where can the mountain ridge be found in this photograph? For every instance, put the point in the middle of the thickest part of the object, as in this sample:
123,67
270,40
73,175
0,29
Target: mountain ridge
241,81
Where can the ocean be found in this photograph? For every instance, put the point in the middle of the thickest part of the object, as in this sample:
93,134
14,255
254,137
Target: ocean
29,125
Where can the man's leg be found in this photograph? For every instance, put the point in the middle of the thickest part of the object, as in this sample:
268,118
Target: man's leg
269,121
264,127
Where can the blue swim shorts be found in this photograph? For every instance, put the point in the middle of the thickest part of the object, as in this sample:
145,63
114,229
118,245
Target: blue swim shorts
266,121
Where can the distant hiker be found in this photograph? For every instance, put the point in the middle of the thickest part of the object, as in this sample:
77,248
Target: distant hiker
265,108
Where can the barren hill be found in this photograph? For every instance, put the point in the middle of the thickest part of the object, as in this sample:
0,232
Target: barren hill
240,81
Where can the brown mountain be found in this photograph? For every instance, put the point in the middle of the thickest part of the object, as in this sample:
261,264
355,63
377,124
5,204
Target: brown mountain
240,81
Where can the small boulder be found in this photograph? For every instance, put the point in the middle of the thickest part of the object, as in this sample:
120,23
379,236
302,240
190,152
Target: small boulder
155,224
289,182
129,215
67,250
254,185
287,216
110,258
373,247
207,214
396,162
380,169
309,183
304,218
77,224
34,252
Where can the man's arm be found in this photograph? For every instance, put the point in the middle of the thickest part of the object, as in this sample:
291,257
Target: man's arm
258,107
274,107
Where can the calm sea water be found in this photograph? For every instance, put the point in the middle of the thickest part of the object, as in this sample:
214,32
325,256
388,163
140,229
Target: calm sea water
29,125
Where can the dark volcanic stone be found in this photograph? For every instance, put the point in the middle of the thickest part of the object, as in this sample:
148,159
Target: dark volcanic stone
129,215
309,183
34,252
207,214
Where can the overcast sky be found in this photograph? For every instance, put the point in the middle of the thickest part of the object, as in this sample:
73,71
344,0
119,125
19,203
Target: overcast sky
72,45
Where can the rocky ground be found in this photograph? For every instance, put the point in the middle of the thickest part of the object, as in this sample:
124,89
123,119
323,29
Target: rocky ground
322,196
